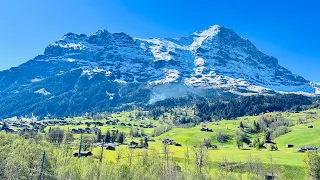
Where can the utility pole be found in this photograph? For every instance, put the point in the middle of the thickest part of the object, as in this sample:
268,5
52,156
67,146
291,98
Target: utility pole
42,166
101,155
80,146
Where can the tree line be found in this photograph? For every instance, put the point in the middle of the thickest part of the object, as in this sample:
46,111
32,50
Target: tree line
249,105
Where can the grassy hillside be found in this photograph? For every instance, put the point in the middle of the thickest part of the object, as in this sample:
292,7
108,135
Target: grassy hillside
285,158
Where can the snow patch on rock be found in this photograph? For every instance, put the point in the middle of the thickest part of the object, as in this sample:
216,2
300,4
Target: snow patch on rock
71,60
36,80
120,81
43,92
111,95
199,61
171,75
205,35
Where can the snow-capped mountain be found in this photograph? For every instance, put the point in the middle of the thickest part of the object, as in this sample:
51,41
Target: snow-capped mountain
105,68
214,57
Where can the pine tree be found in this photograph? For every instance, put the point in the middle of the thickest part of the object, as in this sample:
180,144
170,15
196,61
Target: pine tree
146,145
99,135
121,137
241,125
107,138
268,135
113,136
258,127
5,126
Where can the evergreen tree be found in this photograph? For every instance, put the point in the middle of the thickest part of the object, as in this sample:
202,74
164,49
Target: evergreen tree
146,145
113,136
107,137
99,135
267,135
258,127
4,126
241,125
121,137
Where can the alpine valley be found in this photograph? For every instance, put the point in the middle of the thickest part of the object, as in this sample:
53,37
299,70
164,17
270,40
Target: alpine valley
104,71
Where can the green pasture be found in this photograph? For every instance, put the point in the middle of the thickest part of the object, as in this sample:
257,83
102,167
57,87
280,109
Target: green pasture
286,158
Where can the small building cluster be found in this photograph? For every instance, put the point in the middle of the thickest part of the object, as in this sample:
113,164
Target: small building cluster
20,126
83,154
271,176
81,131
170,141
111,146
135,145
205,129
307,148
289,145
93,123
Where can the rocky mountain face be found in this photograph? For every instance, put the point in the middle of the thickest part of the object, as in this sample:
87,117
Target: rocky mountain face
101,71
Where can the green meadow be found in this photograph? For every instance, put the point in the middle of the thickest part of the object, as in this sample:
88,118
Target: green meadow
285,158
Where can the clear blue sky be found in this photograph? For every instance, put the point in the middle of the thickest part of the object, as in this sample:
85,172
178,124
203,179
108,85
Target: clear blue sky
288,30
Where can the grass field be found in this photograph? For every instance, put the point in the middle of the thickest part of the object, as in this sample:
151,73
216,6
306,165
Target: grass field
300,136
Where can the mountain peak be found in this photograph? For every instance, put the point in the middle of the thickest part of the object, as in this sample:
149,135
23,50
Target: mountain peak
100,32
93,67
213,57
73,36
211,31
215,32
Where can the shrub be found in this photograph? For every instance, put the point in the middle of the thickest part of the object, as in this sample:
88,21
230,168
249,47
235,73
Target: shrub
273,148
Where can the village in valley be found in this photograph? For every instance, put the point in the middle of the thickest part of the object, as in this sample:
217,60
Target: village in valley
278,134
